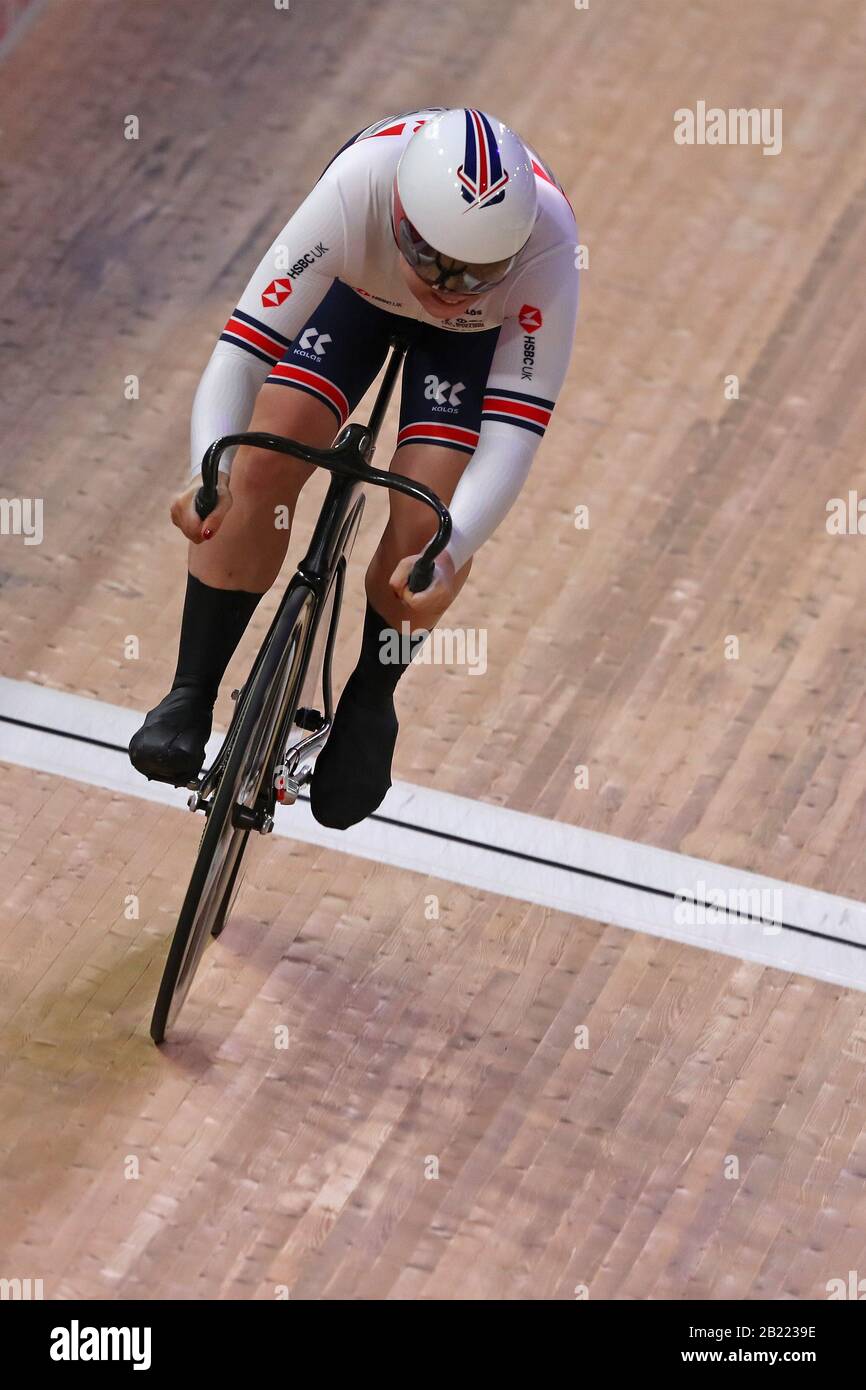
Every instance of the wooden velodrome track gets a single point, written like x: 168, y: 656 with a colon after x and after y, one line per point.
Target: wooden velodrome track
x: 221, y: 1166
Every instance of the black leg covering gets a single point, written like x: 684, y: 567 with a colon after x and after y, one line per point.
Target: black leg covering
x: 170, y: 745
x: 214, y: 621
x: 353, y: 771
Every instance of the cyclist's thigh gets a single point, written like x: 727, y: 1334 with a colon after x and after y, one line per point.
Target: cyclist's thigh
x: 322, y: 375
x: 295, y: 416
x: 440, y: 418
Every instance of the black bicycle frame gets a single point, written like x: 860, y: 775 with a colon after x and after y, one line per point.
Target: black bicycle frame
x: 349, y: 465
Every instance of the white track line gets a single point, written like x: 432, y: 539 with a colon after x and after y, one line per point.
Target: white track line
x: 431, y: 831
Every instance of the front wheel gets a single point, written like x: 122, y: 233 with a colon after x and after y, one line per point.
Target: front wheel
x: 249, y: 763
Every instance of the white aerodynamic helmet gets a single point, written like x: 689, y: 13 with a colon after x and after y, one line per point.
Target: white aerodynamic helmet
x: 465, y: 191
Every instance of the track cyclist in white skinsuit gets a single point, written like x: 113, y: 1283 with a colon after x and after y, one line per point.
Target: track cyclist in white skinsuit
x: 442, y: 222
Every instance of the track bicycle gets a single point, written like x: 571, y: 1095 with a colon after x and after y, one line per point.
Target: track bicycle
x: 284, y: 712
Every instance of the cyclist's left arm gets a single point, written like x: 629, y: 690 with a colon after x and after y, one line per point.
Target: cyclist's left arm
x: 526, y: 375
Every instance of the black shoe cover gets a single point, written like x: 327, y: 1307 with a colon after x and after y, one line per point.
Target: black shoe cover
x: 353, y: 771
x: 169, y: 746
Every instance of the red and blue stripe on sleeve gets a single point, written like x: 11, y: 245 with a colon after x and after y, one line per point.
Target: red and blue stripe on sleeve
x: 517, y: 408
x: 255, y: 337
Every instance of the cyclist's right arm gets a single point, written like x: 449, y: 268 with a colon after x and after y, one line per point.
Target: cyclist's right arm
x: 306, y: 256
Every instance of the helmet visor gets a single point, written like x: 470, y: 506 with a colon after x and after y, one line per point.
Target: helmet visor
x: 442, y: 272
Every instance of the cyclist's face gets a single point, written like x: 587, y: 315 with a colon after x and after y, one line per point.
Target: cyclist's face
x: 439, y: 304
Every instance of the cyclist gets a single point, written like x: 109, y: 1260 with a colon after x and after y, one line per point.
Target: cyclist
x: 442, y: 217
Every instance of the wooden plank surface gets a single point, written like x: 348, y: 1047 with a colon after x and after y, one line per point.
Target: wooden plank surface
x: 452, y: 1040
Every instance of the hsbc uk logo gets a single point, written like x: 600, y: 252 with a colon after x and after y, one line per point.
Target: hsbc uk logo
x: 312, y: 343
x: 276, y: 294
x: 446, y: 397
x: 530, y: 321
x: 278, y: 291
x: 309, y: 258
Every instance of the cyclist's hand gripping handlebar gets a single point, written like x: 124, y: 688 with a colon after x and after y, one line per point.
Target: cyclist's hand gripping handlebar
x: 347, y: 458
x: 206, y: 499
x: 421, y: 574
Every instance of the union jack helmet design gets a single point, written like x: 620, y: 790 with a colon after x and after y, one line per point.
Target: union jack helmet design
x: 467, y: 185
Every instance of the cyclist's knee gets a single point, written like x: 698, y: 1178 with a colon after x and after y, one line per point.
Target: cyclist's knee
x: 404, y: 536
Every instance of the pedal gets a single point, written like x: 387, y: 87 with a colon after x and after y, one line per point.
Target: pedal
x: 309, y: 719
x: 286, y: 787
